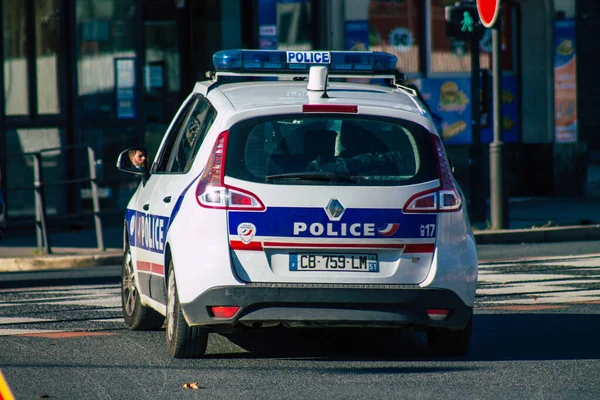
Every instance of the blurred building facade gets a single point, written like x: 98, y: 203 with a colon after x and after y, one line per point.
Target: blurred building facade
x: 111, y: 74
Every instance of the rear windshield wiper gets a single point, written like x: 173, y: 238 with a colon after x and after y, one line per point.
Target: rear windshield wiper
x: 315, y: 176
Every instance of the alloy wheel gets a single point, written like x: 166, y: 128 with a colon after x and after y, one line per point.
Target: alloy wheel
x: 128, y: 284
x: 171, y: 307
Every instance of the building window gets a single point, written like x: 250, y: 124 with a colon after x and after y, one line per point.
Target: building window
x: 47, y: 39
x: 285, y: 24
x: 16, y: 93
x: 294, y: 21
x: 105, y: 34
x: 395, y: 26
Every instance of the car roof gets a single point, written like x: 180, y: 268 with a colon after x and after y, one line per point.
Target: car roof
x: 247, y: 96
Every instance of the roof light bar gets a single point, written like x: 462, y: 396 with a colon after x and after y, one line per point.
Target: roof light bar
x: 293, y: 62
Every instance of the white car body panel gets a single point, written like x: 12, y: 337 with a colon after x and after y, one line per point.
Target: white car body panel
x: 200, y: 241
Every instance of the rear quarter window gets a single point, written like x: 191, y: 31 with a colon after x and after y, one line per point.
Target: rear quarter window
x: 318, y: 150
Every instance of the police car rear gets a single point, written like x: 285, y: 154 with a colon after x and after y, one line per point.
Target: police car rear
x: 340, y: 205
x: 308, y: 202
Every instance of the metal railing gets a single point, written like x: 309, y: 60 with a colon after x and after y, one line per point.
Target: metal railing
x: 40, y: 205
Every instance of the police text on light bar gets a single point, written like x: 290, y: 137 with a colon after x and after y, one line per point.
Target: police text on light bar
x: 308, y: 57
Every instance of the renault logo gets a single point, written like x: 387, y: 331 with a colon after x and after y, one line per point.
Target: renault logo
x: 335, y: 210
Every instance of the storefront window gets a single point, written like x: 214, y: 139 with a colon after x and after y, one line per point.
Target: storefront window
x: 106, y: 58
x: 47, y: 28
x: 294, y: 22
x: 449, y: 55
x: 395, y: 27
x: 16, y: 94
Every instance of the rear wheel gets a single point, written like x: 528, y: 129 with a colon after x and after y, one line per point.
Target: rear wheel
x: 136, y: 315
x: 183, y: 341
x: 450, y: 343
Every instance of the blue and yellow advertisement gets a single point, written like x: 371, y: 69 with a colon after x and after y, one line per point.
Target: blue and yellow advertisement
x: 449, y: 100
x: 565, y: 82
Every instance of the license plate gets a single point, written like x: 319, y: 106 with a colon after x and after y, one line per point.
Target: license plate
x: 334, y: 262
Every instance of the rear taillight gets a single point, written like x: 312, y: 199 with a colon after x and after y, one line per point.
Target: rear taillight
x: 212, y: 191
x: 443, y: 199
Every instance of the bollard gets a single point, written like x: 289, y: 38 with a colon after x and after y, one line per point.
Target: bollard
x: 41, y: 225
x: 95, y: 199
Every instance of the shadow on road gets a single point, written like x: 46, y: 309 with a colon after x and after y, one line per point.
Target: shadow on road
x: 496, y: 337
x: 535, y: 336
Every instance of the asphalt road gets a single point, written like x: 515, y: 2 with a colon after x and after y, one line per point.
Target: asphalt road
x: 535, y: 337
x: 551, y: 354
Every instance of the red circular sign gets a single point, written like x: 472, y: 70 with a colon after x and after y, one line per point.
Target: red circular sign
x: 488, y: 11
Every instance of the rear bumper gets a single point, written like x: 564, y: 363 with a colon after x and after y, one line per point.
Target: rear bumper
x: 307, y: 305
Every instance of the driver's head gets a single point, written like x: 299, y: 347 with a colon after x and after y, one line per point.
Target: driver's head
x: 138, y: 158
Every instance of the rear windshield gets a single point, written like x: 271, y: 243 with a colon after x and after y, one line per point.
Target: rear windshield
x: 339, y: 150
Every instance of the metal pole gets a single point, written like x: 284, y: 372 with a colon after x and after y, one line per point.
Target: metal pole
x: 476, y: 161
x: 40, y: 206
x: 95, y: 199
x: 497, y: 200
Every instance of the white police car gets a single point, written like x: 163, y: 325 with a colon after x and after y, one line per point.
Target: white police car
x: 298, y: 201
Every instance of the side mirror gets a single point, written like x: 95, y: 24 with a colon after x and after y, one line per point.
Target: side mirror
x: 133, y: 160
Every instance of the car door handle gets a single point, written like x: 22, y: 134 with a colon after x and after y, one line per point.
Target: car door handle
x: 167, y: 199
x: 146, y: 207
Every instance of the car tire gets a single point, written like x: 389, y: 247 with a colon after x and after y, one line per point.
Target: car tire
x: 136, y: 315
x: 450, y: 343
x: 183, y: 341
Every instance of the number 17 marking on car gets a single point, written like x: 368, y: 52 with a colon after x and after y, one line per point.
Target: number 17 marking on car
x: 427, y: 230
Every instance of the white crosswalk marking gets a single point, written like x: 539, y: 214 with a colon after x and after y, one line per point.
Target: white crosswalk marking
x: 534, y: 282
x: 60, y: 309
x: 528, y: 283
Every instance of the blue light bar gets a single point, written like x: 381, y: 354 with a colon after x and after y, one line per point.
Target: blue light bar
x: 290, y: 62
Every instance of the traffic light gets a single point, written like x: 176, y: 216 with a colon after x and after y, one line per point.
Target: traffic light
x: 462, y: 22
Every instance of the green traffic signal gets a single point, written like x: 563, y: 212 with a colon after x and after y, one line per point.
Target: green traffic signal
x: 467, y: 22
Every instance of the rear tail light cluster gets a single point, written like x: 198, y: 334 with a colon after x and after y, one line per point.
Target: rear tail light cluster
x: 212, y: 191
x: 443, y: 199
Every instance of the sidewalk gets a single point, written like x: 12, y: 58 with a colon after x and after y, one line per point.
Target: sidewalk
x: 532, y: 220
x: 544, y: 219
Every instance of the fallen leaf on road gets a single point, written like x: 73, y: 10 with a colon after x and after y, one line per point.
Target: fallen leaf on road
x: 193, y: 385
x: 533, y: 297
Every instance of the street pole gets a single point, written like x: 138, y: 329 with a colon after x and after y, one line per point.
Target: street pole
x: 476, y: 169
x: 498, y: 210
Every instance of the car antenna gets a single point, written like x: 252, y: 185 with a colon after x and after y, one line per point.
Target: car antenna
x: 325, y: 95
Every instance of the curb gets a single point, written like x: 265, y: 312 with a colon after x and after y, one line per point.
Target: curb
x: 538, y: 235
x: 22, y: 264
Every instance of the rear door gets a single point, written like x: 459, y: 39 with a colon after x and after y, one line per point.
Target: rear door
x: 172, y: 171
x: 348, y: 199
